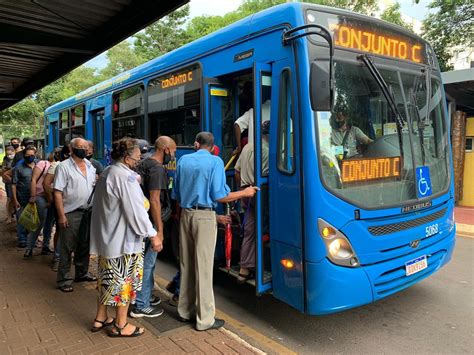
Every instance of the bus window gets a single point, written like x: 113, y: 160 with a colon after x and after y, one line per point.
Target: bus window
x: 174, y: 107
x: 265, y: 117
x: 54, y: 134
x: 128, y: 110
x: 64, y: 133
x: 286, y: 155
x: 78, y: 127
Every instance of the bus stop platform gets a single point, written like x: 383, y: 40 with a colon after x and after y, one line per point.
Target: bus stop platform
x: 36, y: 318
x: 464, y: 217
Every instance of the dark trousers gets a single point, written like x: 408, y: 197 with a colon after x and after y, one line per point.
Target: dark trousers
x: 247, y: 250
x: 74, y: 238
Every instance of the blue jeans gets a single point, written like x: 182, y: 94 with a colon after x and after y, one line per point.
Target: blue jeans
x: 149, y: 261
x: 21, y: 232
x: 42, y: 212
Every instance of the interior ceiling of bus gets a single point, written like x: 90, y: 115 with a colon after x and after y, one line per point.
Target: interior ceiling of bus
x: 41, y: 40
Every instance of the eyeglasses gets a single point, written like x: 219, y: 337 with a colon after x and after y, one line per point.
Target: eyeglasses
x: 129, y: 157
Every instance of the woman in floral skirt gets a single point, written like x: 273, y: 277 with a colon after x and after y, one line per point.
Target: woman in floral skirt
x: 119, y: 226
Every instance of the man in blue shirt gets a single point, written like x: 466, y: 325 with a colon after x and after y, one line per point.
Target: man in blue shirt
x: 200, y: 183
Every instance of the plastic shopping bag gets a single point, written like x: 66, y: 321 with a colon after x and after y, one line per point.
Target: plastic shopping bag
x: 29, y: 217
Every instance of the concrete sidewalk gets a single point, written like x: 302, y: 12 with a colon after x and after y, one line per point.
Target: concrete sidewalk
x: 36, y: 318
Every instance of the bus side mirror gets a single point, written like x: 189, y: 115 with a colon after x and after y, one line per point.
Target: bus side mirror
x: 321, y: 88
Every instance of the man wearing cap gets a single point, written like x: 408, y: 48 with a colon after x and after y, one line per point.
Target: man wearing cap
x: 200, y: 183
x: 245, y: 176
x: 19, y: 154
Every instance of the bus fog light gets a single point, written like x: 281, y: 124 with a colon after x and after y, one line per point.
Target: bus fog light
x: 354, y: 262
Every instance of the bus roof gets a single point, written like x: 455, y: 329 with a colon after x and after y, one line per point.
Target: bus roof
x: 290, y: 13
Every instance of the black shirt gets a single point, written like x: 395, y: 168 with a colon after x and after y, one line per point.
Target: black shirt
x: 154, y: 177
x: 18, y: 157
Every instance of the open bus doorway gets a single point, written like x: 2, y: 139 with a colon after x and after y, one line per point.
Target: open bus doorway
x: 241, y: 102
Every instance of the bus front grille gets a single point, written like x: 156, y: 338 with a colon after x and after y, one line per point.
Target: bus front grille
x: 395, y: 279
x: 398, y: 227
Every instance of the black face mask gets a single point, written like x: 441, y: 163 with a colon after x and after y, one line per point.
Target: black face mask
x: 89, y: 157
x: 15, y: 146
x: 29, y: 159
x: 167, y: 158
x: 80, y: 153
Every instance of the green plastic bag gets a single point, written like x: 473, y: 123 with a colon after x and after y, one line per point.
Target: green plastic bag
x: 29, y: 217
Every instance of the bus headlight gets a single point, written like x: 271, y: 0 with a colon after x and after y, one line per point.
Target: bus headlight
x: 339, y: 249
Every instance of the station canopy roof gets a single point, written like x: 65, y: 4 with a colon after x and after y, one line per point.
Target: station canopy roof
x: 41, y: 40
x: 459, y: 86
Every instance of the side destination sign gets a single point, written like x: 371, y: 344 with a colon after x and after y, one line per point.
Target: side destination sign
x: 358, y: 170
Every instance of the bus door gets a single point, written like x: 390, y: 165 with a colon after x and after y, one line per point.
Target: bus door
x: 262, y: 104
x: 98, y: 123
x: 285, y: 188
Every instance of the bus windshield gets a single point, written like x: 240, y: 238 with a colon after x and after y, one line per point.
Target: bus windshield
x: 366, y: 156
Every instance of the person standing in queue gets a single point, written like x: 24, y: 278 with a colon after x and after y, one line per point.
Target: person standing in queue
x: 155, y: 188
x: 99, y: 168
x: 200, y: 183
x: 74, y: 182
x: 121, y: 225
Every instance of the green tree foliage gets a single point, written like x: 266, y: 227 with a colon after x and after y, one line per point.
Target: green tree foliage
x: 120, y: 58
x: 162, y: 36
x: 451, y: 25
x: 22, y: 119
x: 392, y: 14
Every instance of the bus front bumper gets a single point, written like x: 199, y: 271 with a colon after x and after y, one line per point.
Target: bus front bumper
x: 331, y: 288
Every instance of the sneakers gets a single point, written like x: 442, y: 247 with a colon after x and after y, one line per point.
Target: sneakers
x: 155, y: 300
x: 148, y: 312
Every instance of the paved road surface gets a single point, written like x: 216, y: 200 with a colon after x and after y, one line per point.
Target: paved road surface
x: 436, y: 315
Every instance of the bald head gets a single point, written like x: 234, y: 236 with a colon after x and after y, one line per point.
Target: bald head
x: 164, y: 142
x: 79, y: 143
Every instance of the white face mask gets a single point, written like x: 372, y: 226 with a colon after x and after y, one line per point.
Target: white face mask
x: 11, y: 156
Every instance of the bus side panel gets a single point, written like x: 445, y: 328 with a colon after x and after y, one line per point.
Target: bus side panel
x: 288, y: 283
x: 52, y: 127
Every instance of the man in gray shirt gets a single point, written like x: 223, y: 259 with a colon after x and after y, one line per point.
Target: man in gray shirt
x: 74, y: 182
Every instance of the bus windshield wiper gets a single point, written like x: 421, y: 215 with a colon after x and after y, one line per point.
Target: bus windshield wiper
x: 388, y: 96
x: 420, y: 124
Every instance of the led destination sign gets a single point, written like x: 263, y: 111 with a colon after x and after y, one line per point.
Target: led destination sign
x: 377, y: 43
x: 357, y: 170
x: 177, y: 80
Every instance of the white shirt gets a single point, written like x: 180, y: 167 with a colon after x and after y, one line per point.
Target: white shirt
x: 120, y: 220
x: 246, y: 120
x: 76, y: 187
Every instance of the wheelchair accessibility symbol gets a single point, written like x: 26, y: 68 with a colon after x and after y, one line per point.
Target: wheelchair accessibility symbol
x: 423, y: 181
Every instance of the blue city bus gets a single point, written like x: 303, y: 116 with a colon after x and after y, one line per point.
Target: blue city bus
x: 348, y: 213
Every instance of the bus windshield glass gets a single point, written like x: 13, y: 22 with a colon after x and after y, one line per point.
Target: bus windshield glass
x: 367, y: 156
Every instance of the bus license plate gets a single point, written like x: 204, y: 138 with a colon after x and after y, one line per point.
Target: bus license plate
x: 416, y: 265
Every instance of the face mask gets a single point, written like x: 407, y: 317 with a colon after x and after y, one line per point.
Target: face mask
x: 80, y: 153
x: 89, y: 157
x: 167, y: 158
x: 11, y: 156
x: 15, y: 146
x: 30, y: 159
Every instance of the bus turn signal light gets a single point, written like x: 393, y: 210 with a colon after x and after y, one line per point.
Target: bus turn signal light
x: 328, y: 232
x: 287, y: 264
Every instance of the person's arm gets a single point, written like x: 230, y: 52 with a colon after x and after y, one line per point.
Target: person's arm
x: 237, y: 195
x: 14, y: 199
x: 34, y: 178
x: 60, y: 183
x: 238, y: 138
x: 48, y: 188
x: 59, y: 203
x: 361, y: 137
x: 155, y: 211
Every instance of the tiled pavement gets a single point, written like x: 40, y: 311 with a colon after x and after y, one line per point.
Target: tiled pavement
x: 464, y: 217
x: 36, y: 318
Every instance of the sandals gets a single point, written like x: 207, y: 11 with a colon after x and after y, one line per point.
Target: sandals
x: 86, y: 278
x: 118, y: 333
x: 66, y: 288
x: 104, y: 323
